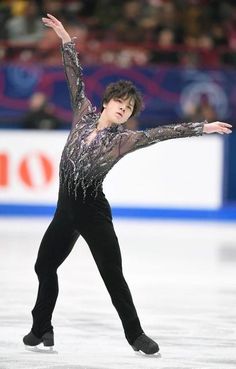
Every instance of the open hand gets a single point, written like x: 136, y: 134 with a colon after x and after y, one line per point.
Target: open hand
x: 217, y: 127
x: 57, y: 26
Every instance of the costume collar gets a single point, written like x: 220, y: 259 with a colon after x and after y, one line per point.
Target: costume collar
x: 113, y: 127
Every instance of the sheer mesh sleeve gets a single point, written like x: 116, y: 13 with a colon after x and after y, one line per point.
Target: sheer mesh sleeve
x: 73, y: 70
x: 131, y: 140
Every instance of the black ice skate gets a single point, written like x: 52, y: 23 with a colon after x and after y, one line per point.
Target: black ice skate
x: 146, y: 345
x: 32, y: 343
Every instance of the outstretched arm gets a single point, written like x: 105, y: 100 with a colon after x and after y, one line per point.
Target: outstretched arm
x: 72, y: 66
x: 131, y: 140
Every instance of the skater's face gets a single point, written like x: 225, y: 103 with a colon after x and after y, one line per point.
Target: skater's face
x: 118, y: 110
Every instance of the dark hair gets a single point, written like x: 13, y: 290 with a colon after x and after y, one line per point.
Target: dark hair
x: 123, y: 89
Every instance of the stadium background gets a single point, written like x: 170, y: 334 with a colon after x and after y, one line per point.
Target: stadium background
x: 181, y: 55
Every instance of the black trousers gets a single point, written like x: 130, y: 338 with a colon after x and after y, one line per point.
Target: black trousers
x: 91, y: 218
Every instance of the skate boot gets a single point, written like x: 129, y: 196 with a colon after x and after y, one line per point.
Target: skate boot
x: 31, y: 342
x: 145, y: 344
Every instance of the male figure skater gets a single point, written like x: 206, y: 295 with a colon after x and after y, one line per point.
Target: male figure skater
x: 95, y: 143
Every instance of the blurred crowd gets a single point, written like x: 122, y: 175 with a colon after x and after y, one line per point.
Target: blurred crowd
x: 191, y: 33
x: 124, y: 32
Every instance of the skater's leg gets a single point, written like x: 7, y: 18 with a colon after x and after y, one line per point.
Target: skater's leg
x: 56, y: 245
x: 104, y: 246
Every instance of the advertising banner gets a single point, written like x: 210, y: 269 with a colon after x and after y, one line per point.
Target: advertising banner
x: 170, y: 94
x: 182, y: 173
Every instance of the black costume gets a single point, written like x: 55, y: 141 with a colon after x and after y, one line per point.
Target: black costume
x: 82, y: 208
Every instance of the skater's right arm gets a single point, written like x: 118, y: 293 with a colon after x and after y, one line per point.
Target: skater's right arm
x: 80, y: 104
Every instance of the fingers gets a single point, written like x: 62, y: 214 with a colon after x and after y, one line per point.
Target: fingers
x: 54, y: 19
x: 225, y: 127
x: 51, y: 21
x: 46, y: 21
x: 225, y: 130
x: 222, y: 127
x: 223, y: 124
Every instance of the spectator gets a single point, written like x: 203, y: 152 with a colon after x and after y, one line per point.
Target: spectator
x: 201, y: 110
x: 127, y: 28
x: 218, y: 34
x: 165, y: 52
x: 163, y: 26
x: 4, y: 16
x: 40, y: 114
x: 26, y: 27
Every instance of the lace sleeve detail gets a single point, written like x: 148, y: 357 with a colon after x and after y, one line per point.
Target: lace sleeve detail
x: 132, y: 140
x: 73, y: 71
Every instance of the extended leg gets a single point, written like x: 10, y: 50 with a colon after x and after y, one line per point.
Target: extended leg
x: 104, y: 246
x: 103, y: 243
x: 56, y: 245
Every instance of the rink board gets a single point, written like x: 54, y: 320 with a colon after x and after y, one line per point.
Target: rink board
x: 172, y: 176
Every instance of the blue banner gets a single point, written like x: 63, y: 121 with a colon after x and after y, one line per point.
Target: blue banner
x: 170, y: 94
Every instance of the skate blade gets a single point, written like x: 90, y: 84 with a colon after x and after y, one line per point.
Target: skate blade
x: 140, y: 353
x: 41, y: 350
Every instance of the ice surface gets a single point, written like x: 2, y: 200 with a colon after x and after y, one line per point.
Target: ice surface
x: 183, y: 280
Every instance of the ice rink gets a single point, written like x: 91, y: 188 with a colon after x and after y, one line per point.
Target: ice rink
x: 183, y: 280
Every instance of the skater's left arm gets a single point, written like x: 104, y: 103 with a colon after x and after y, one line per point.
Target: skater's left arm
x: 133, y: 140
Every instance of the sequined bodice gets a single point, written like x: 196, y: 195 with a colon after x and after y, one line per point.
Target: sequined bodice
x: 85, y: 164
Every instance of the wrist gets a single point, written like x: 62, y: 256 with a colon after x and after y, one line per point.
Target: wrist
x: 204, y: 129
x: 64, y: 41
x: 66, y: 38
